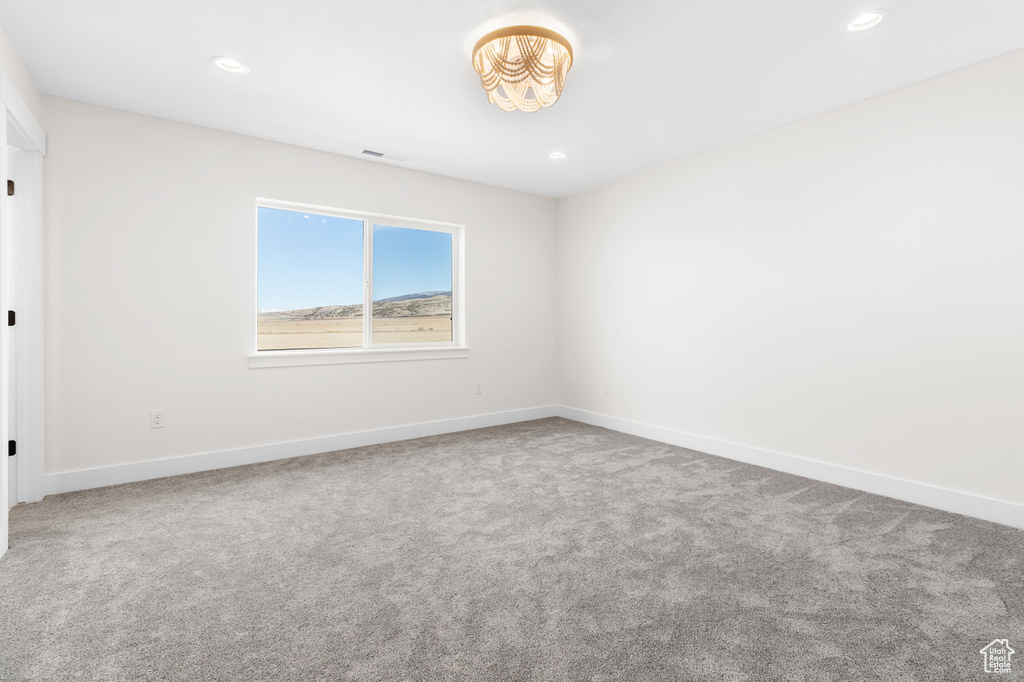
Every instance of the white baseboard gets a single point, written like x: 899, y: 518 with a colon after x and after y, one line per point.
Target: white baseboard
x: 190, y: 464
x: 988, y: 509
x: 997, y: 511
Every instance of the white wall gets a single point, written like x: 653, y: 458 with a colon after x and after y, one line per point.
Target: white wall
x: 151, y: 286
x: 848, y: 289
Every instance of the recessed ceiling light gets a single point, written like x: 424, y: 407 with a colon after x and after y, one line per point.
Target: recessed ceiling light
x: 557, y: 155
x: 229, y: 64
x: 868, y: 20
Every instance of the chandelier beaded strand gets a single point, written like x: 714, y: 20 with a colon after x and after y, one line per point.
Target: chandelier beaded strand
x: 522, y: 67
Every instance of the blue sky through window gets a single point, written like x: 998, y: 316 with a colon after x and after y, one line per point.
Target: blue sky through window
x: 407, y: 261
x: 306, y: 260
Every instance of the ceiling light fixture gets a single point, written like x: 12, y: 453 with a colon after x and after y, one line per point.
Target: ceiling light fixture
x: 557, y: 155
x: 522, y: 67
x: 868, y: 20
x: 229, y: 64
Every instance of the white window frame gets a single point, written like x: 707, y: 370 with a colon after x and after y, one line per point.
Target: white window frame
x: 370, y: 352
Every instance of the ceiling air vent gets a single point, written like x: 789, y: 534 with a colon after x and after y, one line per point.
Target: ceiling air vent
x: 384, y: 155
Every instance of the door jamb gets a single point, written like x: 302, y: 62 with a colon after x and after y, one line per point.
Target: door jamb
x: 24, y: 139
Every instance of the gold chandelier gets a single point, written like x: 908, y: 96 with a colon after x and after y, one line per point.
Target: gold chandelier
x: 522, y: 67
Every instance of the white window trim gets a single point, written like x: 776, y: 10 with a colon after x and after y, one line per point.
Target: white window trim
x: 371, y: 352
x: 343, y: 356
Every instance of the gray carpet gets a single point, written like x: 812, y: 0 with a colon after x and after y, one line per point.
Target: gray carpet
x: 546, y: 550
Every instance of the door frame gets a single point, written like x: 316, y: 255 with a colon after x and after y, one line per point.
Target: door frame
x: 22, y: 148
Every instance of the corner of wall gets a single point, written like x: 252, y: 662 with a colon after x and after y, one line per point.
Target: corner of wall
x: 12, y: 67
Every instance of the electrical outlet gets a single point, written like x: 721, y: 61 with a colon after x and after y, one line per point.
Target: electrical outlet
x: 479, y: 387
x: 156, y: 419
x: 607, y: 388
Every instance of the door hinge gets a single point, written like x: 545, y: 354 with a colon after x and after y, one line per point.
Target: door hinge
x: 10, y: 318
x: 12, y: 448
x: 10, y: 188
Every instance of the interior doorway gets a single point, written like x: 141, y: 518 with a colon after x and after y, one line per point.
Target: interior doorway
x: 5, y: 378
x: 22, y: 146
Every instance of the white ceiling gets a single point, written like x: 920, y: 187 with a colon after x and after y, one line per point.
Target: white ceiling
x: 653, y: 80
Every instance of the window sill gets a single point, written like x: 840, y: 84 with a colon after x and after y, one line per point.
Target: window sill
x: 296, y: 358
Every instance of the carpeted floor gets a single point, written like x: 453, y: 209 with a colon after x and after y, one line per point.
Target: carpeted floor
x: 546, y: 550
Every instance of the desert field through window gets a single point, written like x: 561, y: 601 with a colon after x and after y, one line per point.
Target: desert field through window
x: 421, y: 318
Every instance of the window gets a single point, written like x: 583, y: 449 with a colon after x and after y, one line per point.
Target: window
x: 330, y: 281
